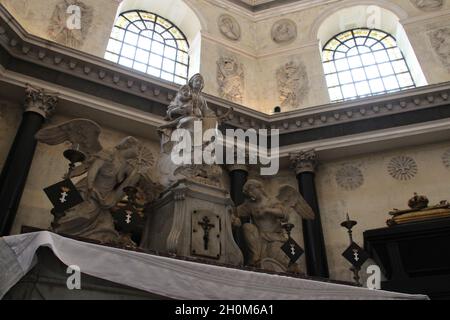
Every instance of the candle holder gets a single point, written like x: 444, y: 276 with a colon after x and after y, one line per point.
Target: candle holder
x: 349, y: 224
x: 74, y: 156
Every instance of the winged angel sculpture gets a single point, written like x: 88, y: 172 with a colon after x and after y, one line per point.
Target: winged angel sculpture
x: 264, y: 235
x: 103, y: 176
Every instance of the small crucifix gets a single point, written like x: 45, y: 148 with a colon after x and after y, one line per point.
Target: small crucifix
x: 206, y: 225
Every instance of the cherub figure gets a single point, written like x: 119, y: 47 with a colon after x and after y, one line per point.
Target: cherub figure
x: 265, y: 235
x: 105, y: 174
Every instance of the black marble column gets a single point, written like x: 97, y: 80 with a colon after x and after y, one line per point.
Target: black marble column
x: 316, y: 258
x: 238, y: 178
x: 39, y: 106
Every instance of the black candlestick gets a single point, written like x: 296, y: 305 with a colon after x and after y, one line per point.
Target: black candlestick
x: 349, y: 224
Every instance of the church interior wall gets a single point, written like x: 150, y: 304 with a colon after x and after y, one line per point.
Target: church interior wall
x: 255, y: 49
x: 363, y: 187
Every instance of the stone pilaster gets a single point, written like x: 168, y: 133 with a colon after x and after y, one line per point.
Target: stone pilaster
x: 39, y: 107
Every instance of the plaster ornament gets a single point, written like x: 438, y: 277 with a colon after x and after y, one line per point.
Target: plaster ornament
x: 440, y: 42
x: 265, y: 236
x: 403, y: 168
x: 446, y: 159
x: 70, y: 23
x: 349, y: 178
x: 229, y: 27
x: 104, y: 176
x: 230, y: 78
x: 293, y: 84
x: 284, y: 31
x: 428, y: 5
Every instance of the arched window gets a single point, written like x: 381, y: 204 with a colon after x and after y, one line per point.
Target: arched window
x: 364, y: 62
x: 149, y: 43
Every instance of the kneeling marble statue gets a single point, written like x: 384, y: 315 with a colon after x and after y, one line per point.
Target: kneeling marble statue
x: 264, y: 235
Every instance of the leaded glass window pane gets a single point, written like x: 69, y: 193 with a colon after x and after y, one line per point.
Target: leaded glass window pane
x: 151, y: 44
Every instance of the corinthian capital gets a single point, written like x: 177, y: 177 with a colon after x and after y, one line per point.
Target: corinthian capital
x: 304, y: 161
x: 41, y: 102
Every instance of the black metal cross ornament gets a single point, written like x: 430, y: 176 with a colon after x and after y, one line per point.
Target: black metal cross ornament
x: 206, y: 226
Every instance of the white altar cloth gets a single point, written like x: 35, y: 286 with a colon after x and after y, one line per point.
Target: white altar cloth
x: 173, y: 278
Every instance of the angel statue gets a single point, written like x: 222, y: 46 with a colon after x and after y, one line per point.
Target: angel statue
x: 104, y: 176
x: 264, y: 235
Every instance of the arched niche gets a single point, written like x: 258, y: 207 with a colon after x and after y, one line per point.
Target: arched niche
x: 180, y: 13
x: 379, y: 14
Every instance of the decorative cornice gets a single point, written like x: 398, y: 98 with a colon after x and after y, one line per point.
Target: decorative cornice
x: 41, y: 102
x: 22, y: 46
x: 304, y: 161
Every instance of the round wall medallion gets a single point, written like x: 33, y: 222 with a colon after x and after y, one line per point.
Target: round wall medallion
x: 349, y: 178
x: 229, y: 27
x: 284, y: 31
x: 403, y: 168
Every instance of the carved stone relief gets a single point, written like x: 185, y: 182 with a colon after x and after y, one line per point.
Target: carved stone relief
x: 230, y: 78
x: 284, y: 31
x: 229, y: 27
x: 349, y: 177
x: 403, y: 168
x: 293, y: 84
x: 446, y: 159
x: 428, y: 5
x: 70, y: 23
x: 440, y: 42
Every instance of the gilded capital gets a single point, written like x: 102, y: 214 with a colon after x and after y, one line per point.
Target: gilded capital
x: 304, y: 161
x: 41, y: 102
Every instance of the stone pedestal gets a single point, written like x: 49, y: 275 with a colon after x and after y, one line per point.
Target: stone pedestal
x: 193, y: 220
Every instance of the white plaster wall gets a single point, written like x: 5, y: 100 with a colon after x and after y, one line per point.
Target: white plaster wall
x: 380, y: 193
x: 35, y: 17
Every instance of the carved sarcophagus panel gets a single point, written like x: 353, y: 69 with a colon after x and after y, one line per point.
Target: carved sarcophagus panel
x: 206, y: 234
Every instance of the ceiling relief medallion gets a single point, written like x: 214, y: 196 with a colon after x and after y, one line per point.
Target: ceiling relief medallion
x: 446, y: 159
x: 70, y: 23
x: 229, y: 27
x: 230, y: 78
x: 428, y: 5
x: 284, y: 31
x: 440, y: 42
x: 293, y: 84
x: 349, y: 177
x: 403, y: 168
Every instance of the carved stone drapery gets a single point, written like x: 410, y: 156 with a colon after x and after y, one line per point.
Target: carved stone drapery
x: 41, y: 102
x: 304, y: 161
